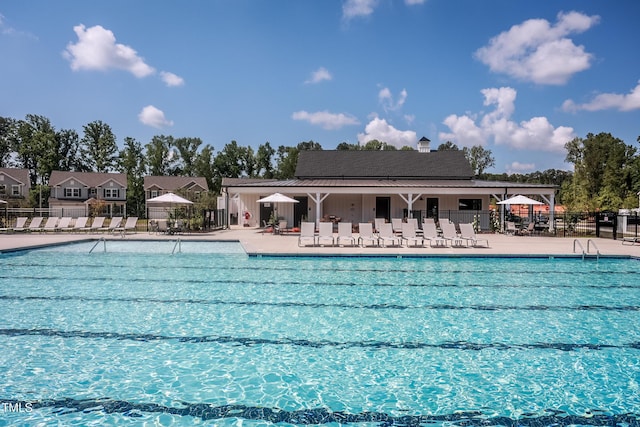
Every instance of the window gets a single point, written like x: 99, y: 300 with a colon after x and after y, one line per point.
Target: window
x: 111, y: 193
x: 154, y: 193
x: 93, y: 192
x: 72, y: 192
x: 15, y: 190
x: 3, y: 188
x: 470, y: 204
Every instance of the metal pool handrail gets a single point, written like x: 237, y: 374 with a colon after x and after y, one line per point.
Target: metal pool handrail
x: 579, y: 244
x: 104, y: 244
x: 590, y: 241
x: 178, y: 245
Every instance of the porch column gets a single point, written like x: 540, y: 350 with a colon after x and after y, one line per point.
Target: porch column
x: 551, y: 200
x: 410, y: 200
x: 318, y: 199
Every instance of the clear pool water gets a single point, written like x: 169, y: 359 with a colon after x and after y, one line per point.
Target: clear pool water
x: 209, y: 336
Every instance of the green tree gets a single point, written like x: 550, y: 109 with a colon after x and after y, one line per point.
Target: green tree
x: 229, y: 163
x: 603, y: 172
x: 131, y: 162
x: 99, y: 146
x: 376, y: 145
x: 264, y: 161
x: 345, y: 146
x: 448, y: 146
x: 479, y: 158
x: 159, y: 157
x: 187, y: 150
x: 34, y: 141
x: 7, y: 129
x: 204, y: 167
x: 69, y: 152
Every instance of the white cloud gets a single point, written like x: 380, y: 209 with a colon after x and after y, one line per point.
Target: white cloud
x: 386, y: 99
x: 171, y: 79
x: 534, y: 134
x: 97, y: 49
x: 319, y: 75
x: 382, y: 131
x: 608, y: 101
x: 151, y: 116
x: 517, y: 167
x: 7, y: 30
x: 327, y: 120
x: 355, y: 8
x: 538, y: 51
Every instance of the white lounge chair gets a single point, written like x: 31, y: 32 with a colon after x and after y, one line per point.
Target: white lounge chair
x: 21, y: 223
x: 469, y: 234
x: 325, y: 233
x: 113, y: 224
x: 345, y: 233
x: 414, y: 222
x: 365, y: 231
x: 129, y: 225
x: 51, y: 224
x: 377, y: 222
x: 307, y: 232
x: 396, y: 224
x: 511, y: 228
x: 80, y: 224
x: 64, y: 224
x: 450, y: 233
x: 96, y: 224
x: 409, y: 235
x: 430, y: 233
x: 35, y: 224
x: 386, y: 236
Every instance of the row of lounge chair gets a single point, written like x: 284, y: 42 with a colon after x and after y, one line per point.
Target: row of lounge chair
x: 68, y: 224
x: 386, y: 236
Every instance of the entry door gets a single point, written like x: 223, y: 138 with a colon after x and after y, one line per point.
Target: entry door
x: 383, y: 208
x: 432, y: 207
x: 300, y: 210
x: 265, y: 212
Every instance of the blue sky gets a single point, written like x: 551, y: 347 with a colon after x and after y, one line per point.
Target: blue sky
x: 520, y: 78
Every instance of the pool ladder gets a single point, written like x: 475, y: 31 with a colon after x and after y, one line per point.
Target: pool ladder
x: 178, y: 245
x: 585, y: 253
x: 104, y: 245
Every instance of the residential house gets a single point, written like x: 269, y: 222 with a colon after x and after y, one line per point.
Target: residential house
x: 191, y: 188
x: 359, y: 186
x: 14, y: 185
x: 87, y: 194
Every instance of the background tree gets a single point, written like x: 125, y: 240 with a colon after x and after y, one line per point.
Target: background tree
x: 603, y: 171
x: 204, y: 167
x: 33, y: 140
x: 7, y: 129
x: 345, y: 146
x: 159, y: 157
x: 374, y: 144
x: 131, y: 161
x: 264, y: 161
x: 187, y: 150
x: 287, y: 158
x: 229, y: 163
x: 99, y: 146
x: 479, y: 158
x: 448, y: 146
x: 70, y: 152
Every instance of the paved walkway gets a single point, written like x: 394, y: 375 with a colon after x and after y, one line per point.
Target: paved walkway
x: 256, y: 243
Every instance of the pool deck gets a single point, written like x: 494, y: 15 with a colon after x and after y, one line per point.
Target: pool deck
x: 257, y: 243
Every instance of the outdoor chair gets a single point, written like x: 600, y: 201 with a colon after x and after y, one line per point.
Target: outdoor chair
x: 469, y: 234
x: 365, y: 230
x: 387, y: 237
x: 325, y: 233
x: 345, y: 233
x: 307, y: 232
x: 409, y: 235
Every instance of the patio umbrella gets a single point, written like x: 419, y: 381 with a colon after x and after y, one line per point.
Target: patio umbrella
x: 171, y: 199
x: 277, y: 198
x: 520, y: 200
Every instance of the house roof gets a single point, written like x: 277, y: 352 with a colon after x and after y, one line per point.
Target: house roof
x: 173, y: 183
x: 378, y: 183
x: 90, y: 179
x: 18, y: 174
x: 380, y: 165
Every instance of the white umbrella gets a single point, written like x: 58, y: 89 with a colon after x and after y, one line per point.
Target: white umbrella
x: 170, y: 198
x: 520, y: 200
x: 277, y: 198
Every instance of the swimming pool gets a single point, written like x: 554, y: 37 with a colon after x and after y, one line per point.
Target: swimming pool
x: 210, y: 335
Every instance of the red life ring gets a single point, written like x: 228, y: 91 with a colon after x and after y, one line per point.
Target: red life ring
x: 247, y: 215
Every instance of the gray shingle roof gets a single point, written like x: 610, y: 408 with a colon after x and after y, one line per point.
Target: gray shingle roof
x: 367, y: 164
x: 90, y: 179
x: 173, y: 183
